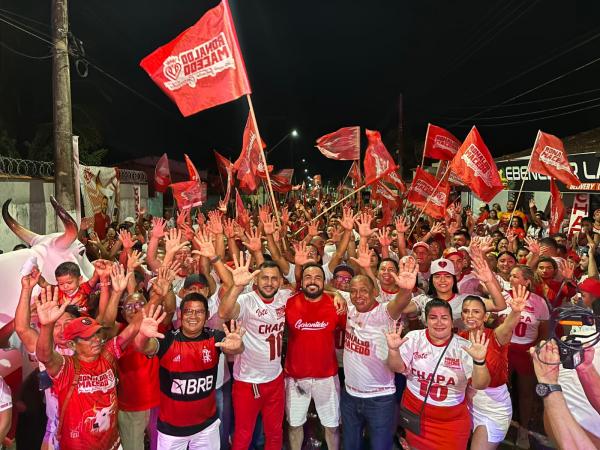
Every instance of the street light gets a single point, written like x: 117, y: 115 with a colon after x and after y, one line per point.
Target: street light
x: 293, y: 133
x: 305, y: 170
x: 303, y: 160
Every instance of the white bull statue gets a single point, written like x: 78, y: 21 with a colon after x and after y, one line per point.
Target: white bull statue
x: 50, y: 251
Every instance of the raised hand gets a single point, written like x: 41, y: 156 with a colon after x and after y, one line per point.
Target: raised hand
x: 240, y: 274
x: 162, y: 282
x: 125, y: 238
x: 215, y: 224
x: 204, y: 244
x: 48, y: 310
x: 407, y: 273
x: 229, y: 228
x: 479, y: 345
x: 394, y: 336
x: 532, y: 245
x: 383, y: 237
x: 151, y: 321
x: 222, y: 206
x: 31, y: 280
x: 402, y: 224
x: 364, y: 255
x: 158, y: 227
x: 481, y: 268
x: 437, y: 228
x: 86, y: 223
x: 173, y: 241
x: 103, y: 268
x: 546, y: 361
x: 313, y: 228
x: 347, y: 220
x: 118, y: 277
x: 336, y: 236
x: 263, y: 212
x: 269, y: 226
x: 233, y: 337
x: 301, y: 253
x: 200, y: 219
x: 183, y: 217
x: 566, y: 268
x: 364, y: 225
x: 520, y: 295
x: 253, y: 240
x: 285, y: 215
x: 134, y: 260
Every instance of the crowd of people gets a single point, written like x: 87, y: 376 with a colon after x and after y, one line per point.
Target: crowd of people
x: 205, y: 331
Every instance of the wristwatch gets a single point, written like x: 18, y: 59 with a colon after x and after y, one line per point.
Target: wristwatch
x: 543, y: 389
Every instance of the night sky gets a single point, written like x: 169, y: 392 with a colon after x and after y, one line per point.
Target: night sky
x: 317, y: 66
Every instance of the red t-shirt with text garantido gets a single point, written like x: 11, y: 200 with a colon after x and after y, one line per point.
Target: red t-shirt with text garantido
x: 311, y: 337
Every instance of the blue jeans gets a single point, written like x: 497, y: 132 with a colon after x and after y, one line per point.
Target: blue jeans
x: 379, y: 415
x: 224, y: 412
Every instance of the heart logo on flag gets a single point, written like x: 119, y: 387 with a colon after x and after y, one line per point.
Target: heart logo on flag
x: 172, y: 68
x: 442, y: 264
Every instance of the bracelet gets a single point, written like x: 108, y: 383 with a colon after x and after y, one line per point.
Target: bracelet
x: 215, y: 260
x: 479, y: 363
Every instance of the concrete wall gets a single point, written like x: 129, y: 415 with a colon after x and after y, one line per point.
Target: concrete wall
x: 31, y: 207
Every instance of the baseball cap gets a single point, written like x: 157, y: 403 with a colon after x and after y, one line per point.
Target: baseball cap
x: 195, y: 278
x: 420, y: 244
x: 82, y: 327
x: 442, y: 265
x: 344, y: 267
x: 129, y: 219
x: 591, y: 286
x: 451, y: 251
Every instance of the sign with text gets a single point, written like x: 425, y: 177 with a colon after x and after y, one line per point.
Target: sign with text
x: 581, y: 209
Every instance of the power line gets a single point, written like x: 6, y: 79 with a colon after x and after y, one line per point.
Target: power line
x: 25, y: 55
x: 12, y: 13
x: 25, y: 31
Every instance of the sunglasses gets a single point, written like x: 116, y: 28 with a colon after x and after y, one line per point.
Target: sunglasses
x: 133, y: 307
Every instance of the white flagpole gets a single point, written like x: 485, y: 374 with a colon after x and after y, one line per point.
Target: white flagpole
x: 523, y: 179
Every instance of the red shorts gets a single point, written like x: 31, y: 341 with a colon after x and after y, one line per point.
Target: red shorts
x: 441, y: 427
x: 520, y: 360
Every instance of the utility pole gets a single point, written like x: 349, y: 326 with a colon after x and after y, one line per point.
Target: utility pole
x: 64, y: 174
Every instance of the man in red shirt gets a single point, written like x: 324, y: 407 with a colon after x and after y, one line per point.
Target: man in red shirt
x: 85, y: 383
x: 102, y: 220
x: 311, y: 365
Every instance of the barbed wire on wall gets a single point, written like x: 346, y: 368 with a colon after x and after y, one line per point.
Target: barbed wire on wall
x: 45, y: 169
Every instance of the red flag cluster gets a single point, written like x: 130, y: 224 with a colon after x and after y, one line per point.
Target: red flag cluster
x: 423, y: 193
x: 203, y: 66
x: 343, y: 144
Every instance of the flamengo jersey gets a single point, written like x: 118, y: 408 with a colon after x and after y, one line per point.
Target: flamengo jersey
x: 420, y: 356
x: 260, y: 362
x: 535, y: 311
x: 311, y: 340
x: 365, y: 353
x: 188, y: 373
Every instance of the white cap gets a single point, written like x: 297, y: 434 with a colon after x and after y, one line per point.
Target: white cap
x: 129, y: 219
x: 420, y: 244
x: 442, y: 265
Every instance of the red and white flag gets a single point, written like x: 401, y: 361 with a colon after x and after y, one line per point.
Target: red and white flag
x: 226, y: 172
x: 162, y: 174
x: 557, y: 209
x: 246, y: 165
x: 194, y: 175
x: 190, y: 193
x: 354, y: 174
x: 475, y: 167
x: 378, y: 161
x: 549, y: 158
x: 440, y: 144
x: 282, y: 180
x: 395, y: 179
x: 423, y: 188
x: 343, y: 144
x: 203, y: 66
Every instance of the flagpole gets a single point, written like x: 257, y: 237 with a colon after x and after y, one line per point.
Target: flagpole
x: 264, y: 160
x: 425, y: 146
x: 427, y: 202
x: 523, y: 181
x: 332, y: 206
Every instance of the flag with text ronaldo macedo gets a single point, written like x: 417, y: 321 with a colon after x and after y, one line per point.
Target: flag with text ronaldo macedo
x: 203, y: 66
x: 423, y: 193
x: 440, y: 144
x: 378, y: 162
x: 549, y: 158
x: 474, y: 165
x: 343, y: 144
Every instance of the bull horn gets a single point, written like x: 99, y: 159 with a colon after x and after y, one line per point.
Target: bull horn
x: 22, y: 233
x: 71, y: 229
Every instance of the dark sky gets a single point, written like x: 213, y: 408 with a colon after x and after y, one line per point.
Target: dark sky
x: 317, y: 66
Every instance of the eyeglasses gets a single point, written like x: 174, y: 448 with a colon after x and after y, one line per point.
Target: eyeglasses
x: 343, y: 279
x: 133, y: 307
x: 194, y: 312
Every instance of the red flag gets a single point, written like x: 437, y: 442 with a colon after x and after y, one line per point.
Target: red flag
x: 378, y: 161
x: 557, y: 209
x: 395, y: 179
x: 203, y: 66
x: 343, y: 144
x: 162, y: 174
x: 423, y: 187
x: 379, y: 191
x: 241, y: 214
x: 260, y: 169
x: 440, y: 143
x: 226, y: 171
x: 474, y: 165
x: 549, y: 158
x: 247, y: 164
x: 282, y: 180
x: 194, y: 175
x: 354, y: 174
x: 189, y: 193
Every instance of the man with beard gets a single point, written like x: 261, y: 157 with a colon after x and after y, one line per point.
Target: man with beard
x: 258, y: 378
x: 312, y: 319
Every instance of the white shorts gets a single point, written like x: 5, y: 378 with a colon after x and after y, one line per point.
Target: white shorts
x: 492, y: 409
x: 324, y: 391
x: 207, y: 439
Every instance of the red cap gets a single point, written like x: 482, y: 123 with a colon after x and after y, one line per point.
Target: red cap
x: 591, y: 286
x: 82, y: 327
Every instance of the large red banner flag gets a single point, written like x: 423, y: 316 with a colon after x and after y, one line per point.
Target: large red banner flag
x: 162, y: 174
x: 246, y: 165
x: 549, y: 158
x: 440, y: 144
x: 282, y: 180
x: 474, y: 165
x: 557, y: 209
x: 203, y: 66
x: 378, y: 161
x: 343, y: 144
x: 423, y: 193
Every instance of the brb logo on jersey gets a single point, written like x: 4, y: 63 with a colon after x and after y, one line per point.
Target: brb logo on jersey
x: 192, y: 386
